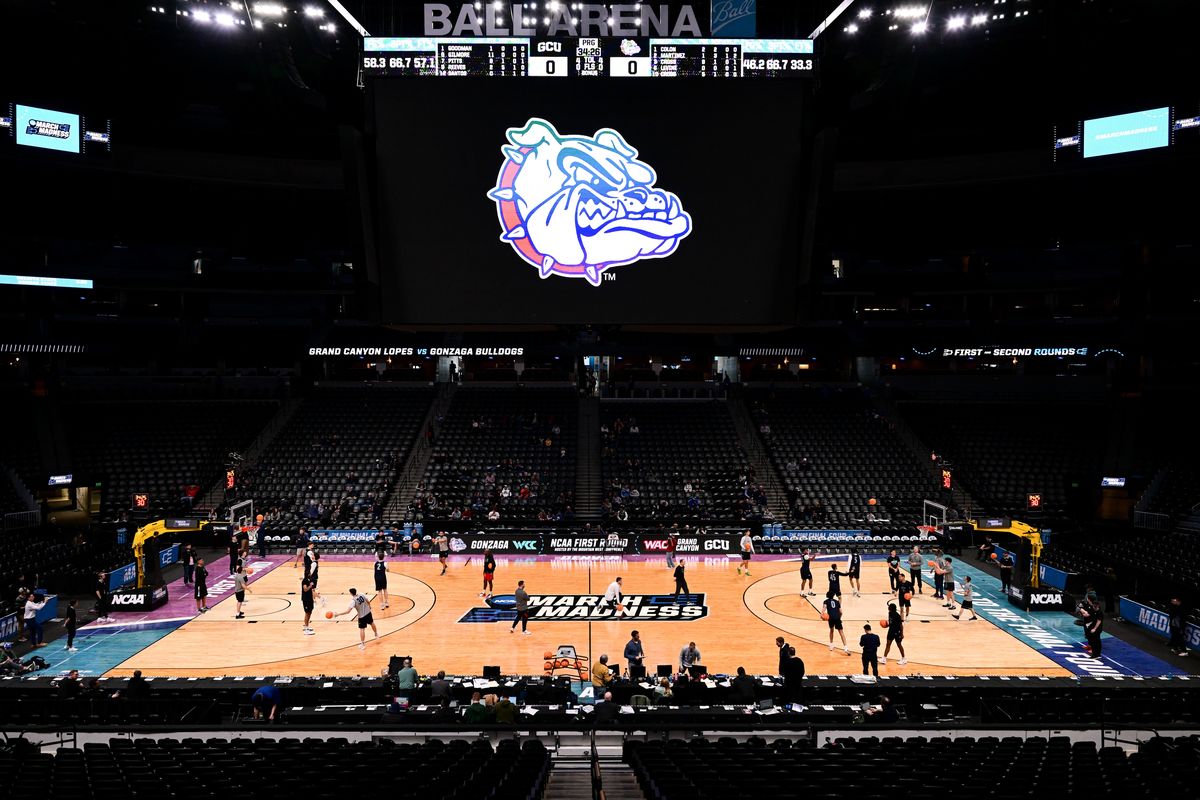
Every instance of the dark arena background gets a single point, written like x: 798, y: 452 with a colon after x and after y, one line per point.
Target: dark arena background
x: 717, y: 399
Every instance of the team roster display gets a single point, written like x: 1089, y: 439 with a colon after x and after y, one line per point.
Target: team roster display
x: 584, y: 57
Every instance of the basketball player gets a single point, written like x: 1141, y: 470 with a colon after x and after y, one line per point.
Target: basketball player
x: 310, y: 555
x: 895, y: 635
x: 301, y: 547
x: 522, y: 608
x: 489, y: 573
x: 612, y: 596
x: 239, y: 589
x: 1093, y: 624
x: 361, y: 606
x: 869, y: 643
x: 948, y: 582
x: 939, y: 576
x: 672, y: 545
x: 968, y: 601
x: 747, y: 551
x: 835, y: 580
x: 381, y: 578
x: 306, y: 600
x: 893, y: 565
x: 201, y: 588
x: 854, y: 572
x: 833, y: 610
x: 312, y: 576
x: 1006, y: 571
x: 235, y: 547
x: 443, y: 545
x: 806, y: 578
x: 916, y: 562
x: 905, y: 593
x: 680, y: 579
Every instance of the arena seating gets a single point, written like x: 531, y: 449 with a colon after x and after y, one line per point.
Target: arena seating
x: 1156, y: 564
x: 1176, y: 493
x: 335, y: 460
x: 497, y: 444
x: 675, y: 444
x: 834, y: 448
x: 1001, y: 452
x: 1009, y: 767
x: 311, y: 767
x: 160, y: 448
x: 59, y: 562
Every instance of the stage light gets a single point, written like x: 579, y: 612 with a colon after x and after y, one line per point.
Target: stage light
x: 979, y: 19
x: 269, y: 9
x: 920, y: 27
x: 225, y: 19
x: 851, y: 28
x: 865, y: 13
x: 497, y: 5
x: 909, y: 12
x: 312, y: 12
x: 955, y: 23
x: 200, y: 15
x: 554, y: 5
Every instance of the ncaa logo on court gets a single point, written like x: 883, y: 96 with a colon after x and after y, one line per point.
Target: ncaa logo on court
x: 576, y: 206
x: 591, y: 608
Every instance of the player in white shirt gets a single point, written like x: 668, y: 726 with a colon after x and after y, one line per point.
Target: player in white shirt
x: 747, y: 547
x: 612, y: 596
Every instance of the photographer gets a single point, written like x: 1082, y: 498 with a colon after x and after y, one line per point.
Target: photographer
x: 32, y: 624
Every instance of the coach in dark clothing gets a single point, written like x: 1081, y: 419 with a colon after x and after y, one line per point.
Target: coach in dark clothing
x: 605, y: 714
x: 742, y: 687
x: 783, y: 653
x: 439, y: 688
x: 793, y: 677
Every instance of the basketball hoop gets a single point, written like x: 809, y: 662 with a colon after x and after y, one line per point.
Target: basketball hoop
x: 927, y: 529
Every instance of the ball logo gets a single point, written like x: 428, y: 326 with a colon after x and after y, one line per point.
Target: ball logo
x: 578, y: 205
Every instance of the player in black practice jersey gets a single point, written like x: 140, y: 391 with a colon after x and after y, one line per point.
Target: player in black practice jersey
x: 854, y: 572
x: 895, y: 635
x: 489, y: 574
x: 381, y: 572
x: 835, y: 580
x: 893, y: 565
x: 806, y: 576
x: 833, y: 615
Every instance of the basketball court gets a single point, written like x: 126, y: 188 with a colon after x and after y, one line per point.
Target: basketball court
x: 443, y: 623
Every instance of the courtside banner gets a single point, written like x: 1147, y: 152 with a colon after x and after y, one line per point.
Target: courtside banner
x: 1158, y: 622
x: 652, y: 543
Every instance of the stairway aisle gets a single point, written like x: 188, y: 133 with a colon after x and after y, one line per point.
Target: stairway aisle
x: 588, y: 491
x: 757, y: 455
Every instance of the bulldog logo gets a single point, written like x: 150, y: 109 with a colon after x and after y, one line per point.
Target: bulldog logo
x: 578, y: 205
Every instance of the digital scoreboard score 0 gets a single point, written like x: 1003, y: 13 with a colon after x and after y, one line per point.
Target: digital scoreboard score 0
x: 597, y: 57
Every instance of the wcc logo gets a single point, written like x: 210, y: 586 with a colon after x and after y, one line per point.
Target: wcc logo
x: 578, y: 205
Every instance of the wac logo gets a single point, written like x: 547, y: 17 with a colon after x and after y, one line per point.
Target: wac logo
x: 576, y: 206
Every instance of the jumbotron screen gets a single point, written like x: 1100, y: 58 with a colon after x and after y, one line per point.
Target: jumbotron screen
x: 591, y: 200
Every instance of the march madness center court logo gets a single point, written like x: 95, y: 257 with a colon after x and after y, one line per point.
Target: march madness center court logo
x: 590, y: 608
x: 578, y: 205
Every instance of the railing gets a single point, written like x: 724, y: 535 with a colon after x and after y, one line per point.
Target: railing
x: 20, y: 520
x: 1152, y: 520
x: 597, y: 778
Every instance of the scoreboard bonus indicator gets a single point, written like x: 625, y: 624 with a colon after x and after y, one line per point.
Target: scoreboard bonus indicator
x: 510, y: 57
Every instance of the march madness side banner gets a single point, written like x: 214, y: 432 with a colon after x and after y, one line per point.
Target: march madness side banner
x: 545, y: 542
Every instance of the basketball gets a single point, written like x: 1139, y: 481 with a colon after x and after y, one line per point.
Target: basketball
x: 259, y: 519
x: 883, y: 623
x: 416, y: 544
x: 747, y: 547
x: 872, y: 501
x: 249, y: 570
x: 620, y: 607
x: 825, y: 616
x: 930, y: 563
x: 908, y: 595
x: 994, y: 556
x: 328, y: 615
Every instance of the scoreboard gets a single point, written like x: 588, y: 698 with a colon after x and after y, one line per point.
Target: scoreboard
x: 599, y: 57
